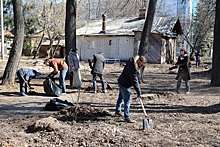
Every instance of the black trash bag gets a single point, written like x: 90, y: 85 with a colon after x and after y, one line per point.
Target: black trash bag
x: 51, y: 88
x: 56, y: 104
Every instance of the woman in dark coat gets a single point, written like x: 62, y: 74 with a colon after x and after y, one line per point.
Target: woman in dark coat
x: 183, y: 71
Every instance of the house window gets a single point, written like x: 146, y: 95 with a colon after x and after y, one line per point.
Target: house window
x: 91, y: 44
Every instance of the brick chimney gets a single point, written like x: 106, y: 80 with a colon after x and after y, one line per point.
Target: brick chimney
x: 143, y: 10
x: 103, y: 24
x: 142, y: 13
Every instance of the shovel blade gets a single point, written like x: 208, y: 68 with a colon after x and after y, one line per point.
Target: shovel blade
x: 147, y: 124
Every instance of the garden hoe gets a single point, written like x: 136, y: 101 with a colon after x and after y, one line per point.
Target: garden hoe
x: 147, y: 123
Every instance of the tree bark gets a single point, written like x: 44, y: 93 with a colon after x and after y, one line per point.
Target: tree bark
x: 146, y: 33
x: 70, y: 26
x: 215, y: 77
x: 15, y: 53
x: 147, y: 28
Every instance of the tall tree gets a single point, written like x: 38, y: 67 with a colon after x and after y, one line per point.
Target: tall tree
x: 202, y: 25
x: 15, y: 53
x: 146, y: 32
x: 147, y: 27
x: 70, y: 26
x: 215, y: 78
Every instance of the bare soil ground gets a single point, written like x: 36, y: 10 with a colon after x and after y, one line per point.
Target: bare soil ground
x: 178, y: 119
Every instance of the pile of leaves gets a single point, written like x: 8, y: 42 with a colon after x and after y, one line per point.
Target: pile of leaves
x: 83, y: 113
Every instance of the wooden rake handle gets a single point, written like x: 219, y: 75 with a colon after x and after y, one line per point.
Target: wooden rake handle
x: 26, y: 83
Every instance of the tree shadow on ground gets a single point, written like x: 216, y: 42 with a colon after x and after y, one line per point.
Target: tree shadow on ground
x: 19, y: 110
x: 30, y: 93
x: 164, y: 108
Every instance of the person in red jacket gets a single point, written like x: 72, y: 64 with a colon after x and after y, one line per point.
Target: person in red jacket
x: 58, y: 65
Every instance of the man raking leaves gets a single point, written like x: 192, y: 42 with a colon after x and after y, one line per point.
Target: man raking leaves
x: 25, y: 75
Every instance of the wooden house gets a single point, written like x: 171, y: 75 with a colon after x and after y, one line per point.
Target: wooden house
x: 59, y: 46
x: 120, y: 38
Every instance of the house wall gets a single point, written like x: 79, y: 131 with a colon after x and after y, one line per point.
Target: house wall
x: 171, y: 49
x: 155, y: 50
x: 120, y: 47
x: 160, y: 50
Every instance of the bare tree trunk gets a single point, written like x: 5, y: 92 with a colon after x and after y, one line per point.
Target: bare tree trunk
x: 146, y: 33
x: 70, y: 26
x: 215, y: 79
x: 54, y: 51
x: 38, y: 47
x: 147, y: 27
x: 50, y: 49
x: 15, y: 53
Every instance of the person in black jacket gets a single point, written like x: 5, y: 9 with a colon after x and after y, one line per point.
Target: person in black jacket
x: 183, y: 63
x: 127, y: 79
x: 98, y: 70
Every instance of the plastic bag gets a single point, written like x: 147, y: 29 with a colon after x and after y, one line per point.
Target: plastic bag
x: 51, y: 88
x: 56, y: 104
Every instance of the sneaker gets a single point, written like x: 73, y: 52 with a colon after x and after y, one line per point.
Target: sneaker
x: 187, y: 92
x: 63, y: 93
x: 93, y: 91
x: 128, y: 120
x: 118, y: 114
x: 104, y: 91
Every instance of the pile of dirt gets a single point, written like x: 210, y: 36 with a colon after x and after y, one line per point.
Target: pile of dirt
x: 45, y: 124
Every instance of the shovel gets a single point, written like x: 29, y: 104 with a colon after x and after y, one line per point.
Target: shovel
x: 30, y: 91
x: 147, y: 123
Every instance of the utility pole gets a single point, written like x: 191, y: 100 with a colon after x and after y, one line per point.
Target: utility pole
x: 2, y: 31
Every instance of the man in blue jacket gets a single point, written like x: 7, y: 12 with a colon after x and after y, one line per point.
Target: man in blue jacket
x: 25, y: 75
x: 127, y: 79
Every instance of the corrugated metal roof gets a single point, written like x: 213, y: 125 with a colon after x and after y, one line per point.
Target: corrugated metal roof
x: 127, y: 26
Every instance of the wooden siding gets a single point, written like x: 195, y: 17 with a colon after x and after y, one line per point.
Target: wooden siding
x: 160, y: 50
x: 112, y: 47
x: 154, y: 54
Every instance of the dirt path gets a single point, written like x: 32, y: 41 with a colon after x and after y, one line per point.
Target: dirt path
x: 179, y: 120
